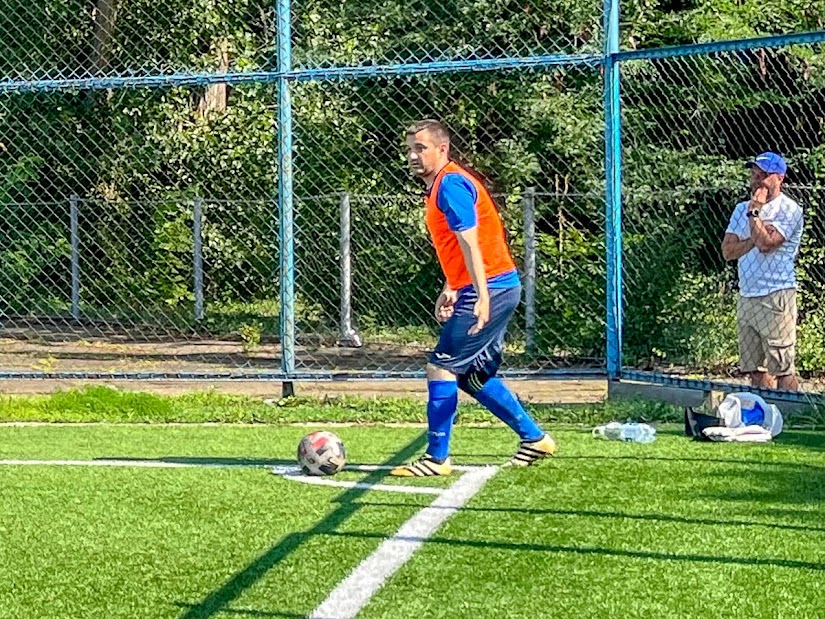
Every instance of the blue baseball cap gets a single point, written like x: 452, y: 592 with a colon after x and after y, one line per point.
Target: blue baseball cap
x: 770, y: 163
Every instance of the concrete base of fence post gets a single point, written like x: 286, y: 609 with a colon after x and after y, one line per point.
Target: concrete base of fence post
x: 350, y: 340
x: 287, y: 389
x: 711, y: 400
x: 678, y: 396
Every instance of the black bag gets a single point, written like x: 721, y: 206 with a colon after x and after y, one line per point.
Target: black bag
x: 695, y: 422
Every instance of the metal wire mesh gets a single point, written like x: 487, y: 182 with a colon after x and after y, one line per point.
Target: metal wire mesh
x: 117, y: 276
x: 52, y: 39
x: 538, y: 135
x: 55, y: 39
x: 649, y: 25
x: 403, y: 31
x: 690, y: 126
x: 98, y: 199
x: 141, y: 228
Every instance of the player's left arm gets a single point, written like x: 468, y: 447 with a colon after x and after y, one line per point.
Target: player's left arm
x: 766, y: 237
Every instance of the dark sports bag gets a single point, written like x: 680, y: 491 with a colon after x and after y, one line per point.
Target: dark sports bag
x: 695, y: 422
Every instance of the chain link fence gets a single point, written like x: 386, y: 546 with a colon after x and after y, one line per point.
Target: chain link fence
x: 690, y: 126
x: 70, y: 39
x: 538, y: 133
x: 415, y: 31
x: 141, y: 147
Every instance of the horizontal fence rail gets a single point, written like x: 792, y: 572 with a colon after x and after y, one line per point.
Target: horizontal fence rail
x: 218, y: 188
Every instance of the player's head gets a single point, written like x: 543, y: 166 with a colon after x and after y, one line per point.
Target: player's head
x: 428, y: 147
x: 768, y: 170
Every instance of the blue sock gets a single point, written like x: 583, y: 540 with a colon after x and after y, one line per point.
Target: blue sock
x: 441, y: 407
x: 500, y: 401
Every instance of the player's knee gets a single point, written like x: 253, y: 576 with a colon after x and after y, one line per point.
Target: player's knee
x: 435, y: 372
x: 473, y: 381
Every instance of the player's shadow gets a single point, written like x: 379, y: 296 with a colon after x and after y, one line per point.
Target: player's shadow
x: 348, y: 504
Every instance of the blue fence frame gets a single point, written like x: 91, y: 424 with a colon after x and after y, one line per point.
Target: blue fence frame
x: 610, y: 62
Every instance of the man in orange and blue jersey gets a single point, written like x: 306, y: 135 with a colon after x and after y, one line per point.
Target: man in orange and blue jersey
x: 480, y: 295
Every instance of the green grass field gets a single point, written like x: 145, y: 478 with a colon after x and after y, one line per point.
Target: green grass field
x: 670, y: 529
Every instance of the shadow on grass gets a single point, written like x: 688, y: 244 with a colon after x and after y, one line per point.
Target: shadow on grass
x: 348, y: 505
x: 774, y: 488
x: 595, y: 550
x: 745, y: 462
x: 206, y: 461
x: 250, y: 612
x: 224, y: 462
x: 651, y: 517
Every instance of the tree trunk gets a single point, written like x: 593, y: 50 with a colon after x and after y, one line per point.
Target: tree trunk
x: 105, y: 16
x: 216, y: 96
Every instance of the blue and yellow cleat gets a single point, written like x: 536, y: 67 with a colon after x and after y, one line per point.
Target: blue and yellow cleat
x: 425, y: 466
x: 529, y: 453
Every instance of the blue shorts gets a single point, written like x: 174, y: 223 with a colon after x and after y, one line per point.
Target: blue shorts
x: 459, y: 352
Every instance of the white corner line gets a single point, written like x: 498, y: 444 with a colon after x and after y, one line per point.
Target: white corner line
x: 356, y: 590
x: 294, y: 474
x: 159, y: 463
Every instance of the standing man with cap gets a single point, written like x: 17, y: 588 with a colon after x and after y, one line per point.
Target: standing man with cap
x: 763, y: 236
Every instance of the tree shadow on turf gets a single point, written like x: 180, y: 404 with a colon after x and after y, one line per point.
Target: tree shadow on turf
x: 250, y: 612
x: 596, y: 550
x: 652, y: 517
x: 217, y: 601
x: 700, y: 460
x: 220, y: 461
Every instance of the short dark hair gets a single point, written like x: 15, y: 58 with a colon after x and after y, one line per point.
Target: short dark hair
x: 437, y: 128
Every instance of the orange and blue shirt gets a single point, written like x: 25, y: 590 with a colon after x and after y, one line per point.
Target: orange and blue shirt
x: 458, y: 201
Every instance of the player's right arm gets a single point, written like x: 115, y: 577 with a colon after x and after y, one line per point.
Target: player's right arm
x: 444, y: 305
x: 737, y: 241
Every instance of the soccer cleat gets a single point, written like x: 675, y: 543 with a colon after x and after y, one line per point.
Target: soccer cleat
x: 528, y: 453
x: 425, y: 466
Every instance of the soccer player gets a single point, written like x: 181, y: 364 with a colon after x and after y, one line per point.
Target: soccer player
x: 481, y: 293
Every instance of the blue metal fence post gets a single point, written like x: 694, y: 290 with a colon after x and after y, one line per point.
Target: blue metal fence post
x: 285, y: 202
x: 613, y: 188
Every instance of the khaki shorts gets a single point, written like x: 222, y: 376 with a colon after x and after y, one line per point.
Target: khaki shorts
x: 767, y: 332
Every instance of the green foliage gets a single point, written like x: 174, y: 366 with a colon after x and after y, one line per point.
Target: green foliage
x: 138, y: 158
x: 250, y: 337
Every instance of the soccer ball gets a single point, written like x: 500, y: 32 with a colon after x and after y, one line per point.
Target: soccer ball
x: 321, y: 453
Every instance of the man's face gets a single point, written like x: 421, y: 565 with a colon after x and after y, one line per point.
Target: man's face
x: 424, y: 155
x: 760, y: 178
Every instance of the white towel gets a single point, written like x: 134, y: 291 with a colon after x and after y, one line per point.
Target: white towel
x: 742, y: 434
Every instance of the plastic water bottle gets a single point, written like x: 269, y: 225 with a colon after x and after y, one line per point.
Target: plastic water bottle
x: 630, y: 432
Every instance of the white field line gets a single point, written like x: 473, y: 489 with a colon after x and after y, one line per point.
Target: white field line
x: 294, y: 474
x: 160, y: 463
x: 287, y: 472
x: 353, y: 593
